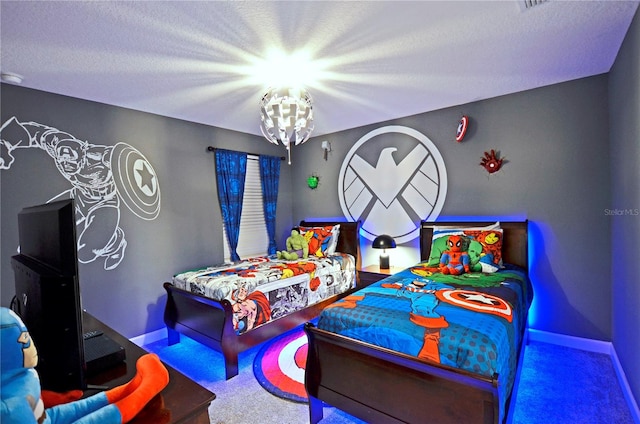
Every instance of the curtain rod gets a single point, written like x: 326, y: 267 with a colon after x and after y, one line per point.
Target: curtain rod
x: 213, y: 149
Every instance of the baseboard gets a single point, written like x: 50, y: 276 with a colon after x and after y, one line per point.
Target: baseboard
x: 148, y: 338
x: 589, y: 345
x: 597, y: 346
x: 626, y: 389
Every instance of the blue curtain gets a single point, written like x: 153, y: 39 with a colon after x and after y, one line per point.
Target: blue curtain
x: 231, y: 169
x: 269, y: 178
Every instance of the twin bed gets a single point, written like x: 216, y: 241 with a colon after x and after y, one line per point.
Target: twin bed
x: 423, y: 346
x: 233, y: 308
x: 418, y: 346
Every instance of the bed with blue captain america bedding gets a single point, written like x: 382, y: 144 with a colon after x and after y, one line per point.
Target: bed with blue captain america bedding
x: 430, y: 343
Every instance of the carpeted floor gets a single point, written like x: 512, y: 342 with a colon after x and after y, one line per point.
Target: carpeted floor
x: 240, y: 400
x: 563, y: 385
x: 558, y: 385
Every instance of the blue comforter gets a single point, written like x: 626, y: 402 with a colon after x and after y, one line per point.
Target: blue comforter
x: 471, y: 321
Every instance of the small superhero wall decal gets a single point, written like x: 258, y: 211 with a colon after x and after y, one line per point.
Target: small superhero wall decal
x: 313, y: 181
x: 491, y: 161
x: 463, y: 125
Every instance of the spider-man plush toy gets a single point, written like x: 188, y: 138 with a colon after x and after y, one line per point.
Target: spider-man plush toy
x: 454, y: 261
x: 21, y: 395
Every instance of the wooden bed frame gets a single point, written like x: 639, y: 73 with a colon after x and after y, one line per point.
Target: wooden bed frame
x: 210, y: 322
x: 379, y: 385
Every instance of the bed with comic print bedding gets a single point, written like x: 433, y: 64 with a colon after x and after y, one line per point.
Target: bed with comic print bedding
x: 231, y: 308
x: 441, y: 341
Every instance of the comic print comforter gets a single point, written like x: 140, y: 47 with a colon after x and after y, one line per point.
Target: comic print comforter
x: 471, y: 321
x: 265, y: 288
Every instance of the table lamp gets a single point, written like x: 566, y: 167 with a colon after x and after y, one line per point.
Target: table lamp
x: 384, y: 242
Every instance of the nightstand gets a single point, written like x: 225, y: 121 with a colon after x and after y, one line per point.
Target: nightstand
x: 372, y: 273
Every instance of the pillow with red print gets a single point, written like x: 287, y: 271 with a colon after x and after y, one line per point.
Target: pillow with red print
x: 322, y: 240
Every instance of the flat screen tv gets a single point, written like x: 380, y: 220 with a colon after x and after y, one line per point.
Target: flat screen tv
x: 48, y: 292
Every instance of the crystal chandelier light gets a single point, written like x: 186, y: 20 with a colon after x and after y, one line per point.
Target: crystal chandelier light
x: 286, y: 116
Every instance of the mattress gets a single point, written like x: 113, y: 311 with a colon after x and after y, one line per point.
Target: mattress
x: 263, y: 289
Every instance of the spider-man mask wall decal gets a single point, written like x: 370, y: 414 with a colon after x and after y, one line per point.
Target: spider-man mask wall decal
x: 491, y: 162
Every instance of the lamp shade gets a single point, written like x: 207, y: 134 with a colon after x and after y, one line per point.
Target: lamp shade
x: 384, y: 241
x: 286, y: 116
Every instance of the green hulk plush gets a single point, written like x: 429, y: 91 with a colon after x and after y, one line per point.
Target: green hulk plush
x: 297, y: 247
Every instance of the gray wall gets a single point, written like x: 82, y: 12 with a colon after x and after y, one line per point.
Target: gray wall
x: 188, y: 231
x: 624, y: 100
x: 555, y: 140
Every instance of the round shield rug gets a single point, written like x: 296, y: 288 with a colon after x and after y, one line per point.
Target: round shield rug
x: 279, y: 366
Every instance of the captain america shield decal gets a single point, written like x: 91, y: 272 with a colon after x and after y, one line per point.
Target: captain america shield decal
x: 136, y: 181
x: 476, y: 301
x: 462, y: 128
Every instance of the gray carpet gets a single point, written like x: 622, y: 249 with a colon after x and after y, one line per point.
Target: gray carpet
x: 558, y: 385
x: 564, y: 385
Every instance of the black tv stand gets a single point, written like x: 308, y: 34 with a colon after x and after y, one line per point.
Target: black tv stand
x: 183, y: 400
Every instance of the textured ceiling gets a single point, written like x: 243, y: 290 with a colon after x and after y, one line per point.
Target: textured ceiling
x: 372, y: 61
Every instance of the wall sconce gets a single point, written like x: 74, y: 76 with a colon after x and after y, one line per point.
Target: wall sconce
x: 384, y: 242
x: 326, y: 146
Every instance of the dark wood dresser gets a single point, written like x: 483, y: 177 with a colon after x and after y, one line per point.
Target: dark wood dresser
x: 182, y: 401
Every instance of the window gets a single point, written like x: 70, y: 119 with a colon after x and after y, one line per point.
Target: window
x: 253, y: 240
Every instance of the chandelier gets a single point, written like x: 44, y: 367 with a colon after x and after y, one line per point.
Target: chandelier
x: 286, y: 116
